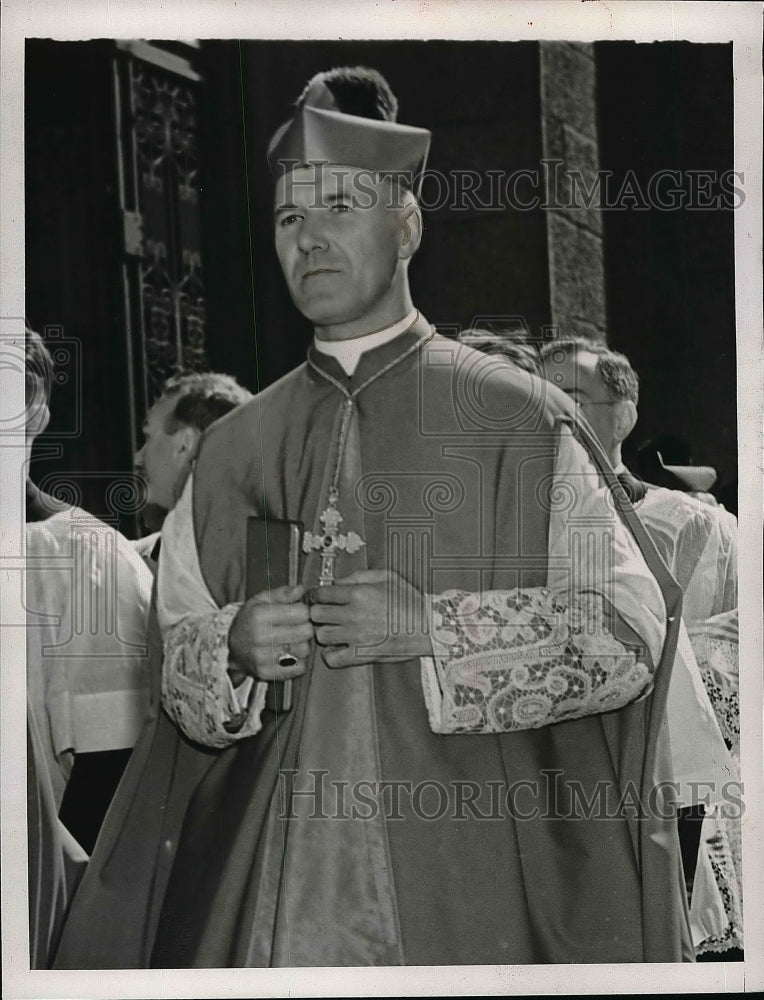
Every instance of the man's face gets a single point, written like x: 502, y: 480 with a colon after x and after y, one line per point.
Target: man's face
x: 576, y: 374
x: 161, y: 461
x: 337, y: 238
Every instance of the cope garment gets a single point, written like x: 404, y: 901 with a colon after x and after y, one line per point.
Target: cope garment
x: 549, y: 659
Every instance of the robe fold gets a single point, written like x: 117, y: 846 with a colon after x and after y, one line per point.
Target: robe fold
x: 449, y: 481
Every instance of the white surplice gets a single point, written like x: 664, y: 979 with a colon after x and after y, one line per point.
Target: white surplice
x: 87, y: 601
x: 699, y: 544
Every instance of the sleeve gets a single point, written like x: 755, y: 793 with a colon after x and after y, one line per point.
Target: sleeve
x: 586, y: 643
x: 722, y: 571
x: 197, y: 692
x: 711, y: 588
x: 715, y: 643
x: 716, y: 914
x: 196, y: 689
x: 727, y: 568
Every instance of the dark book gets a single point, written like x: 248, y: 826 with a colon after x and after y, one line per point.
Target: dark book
x: 273, y: 560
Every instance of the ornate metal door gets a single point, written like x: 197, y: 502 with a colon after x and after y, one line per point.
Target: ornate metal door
x: 156, y: 99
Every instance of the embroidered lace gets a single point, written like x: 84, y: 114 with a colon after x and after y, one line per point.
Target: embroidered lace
x: 513, y: 660
x: 196, y: 689
x: 715, y: 644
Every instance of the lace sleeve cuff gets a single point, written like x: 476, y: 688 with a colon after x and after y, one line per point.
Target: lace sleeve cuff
x: 196, y: 688
x: 521, y: 659
x: 716, y: 647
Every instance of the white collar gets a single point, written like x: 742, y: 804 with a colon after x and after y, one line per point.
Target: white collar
x: 348, y: 352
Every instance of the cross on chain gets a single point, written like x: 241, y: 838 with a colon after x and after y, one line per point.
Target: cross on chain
x: 330, y: 543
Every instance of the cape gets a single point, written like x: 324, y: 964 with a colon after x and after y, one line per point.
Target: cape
x: 235, y: 881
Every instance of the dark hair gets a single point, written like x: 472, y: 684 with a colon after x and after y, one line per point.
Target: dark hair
x: 508, y: 344
x: 357, y: 90
x: 202, y: 398
x: 37, y: 359
x: 615, y: 370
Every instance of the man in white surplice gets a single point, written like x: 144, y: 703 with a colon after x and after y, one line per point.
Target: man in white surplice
x: 698, y: 542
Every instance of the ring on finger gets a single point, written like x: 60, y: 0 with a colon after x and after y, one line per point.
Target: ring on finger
x: 286, y: 656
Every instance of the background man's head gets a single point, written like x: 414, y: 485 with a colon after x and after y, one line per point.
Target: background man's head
x: 188, y: 405
x: 344, y: 232
x: 601, y: 381
x: 38, y: 379
x: 508, y: 344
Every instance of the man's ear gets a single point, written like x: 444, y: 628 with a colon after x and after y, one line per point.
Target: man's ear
x: 411, y: 231
x: 625, y: 419
x: 186, y: 441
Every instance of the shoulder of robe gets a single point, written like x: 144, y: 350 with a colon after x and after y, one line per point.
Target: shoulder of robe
x: 501, y: 390
x: 47, y: 537
x: 54, y: 537
x: 692, y: 515
x: 726, y: 520
x: 238, y: 433
x: 57, y: 530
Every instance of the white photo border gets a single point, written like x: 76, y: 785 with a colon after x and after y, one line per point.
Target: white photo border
x: 512, y: 20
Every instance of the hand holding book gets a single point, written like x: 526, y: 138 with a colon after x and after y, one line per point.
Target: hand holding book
x: 264, y: 626
x: 270, y: 636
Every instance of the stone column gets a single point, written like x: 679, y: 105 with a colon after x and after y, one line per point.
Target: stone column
x: 574, y: 222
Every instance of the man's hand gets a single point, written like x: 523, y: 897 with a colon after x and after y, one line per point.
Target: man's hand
x: 369, y: 615
x: 264, y: 625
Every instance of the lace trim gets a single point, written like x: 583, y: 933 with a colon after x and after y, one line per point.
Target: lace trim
x: 725, y: 700
x: 715, y: 644
x: 521, y: 659
x: 717, y: 656
x: 196, y: 689
x: 721, y: 841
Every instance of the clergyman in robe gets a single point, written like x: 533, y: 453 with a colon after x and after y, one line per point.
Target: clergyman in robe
x: 473, y: 764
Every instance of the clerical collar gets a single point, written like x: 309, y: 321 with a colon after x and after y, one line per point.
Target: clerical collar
x: 348, y: 352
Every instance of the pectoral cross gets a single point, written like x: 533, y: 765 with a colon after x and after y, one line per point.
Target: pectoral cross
x: 330, y: 543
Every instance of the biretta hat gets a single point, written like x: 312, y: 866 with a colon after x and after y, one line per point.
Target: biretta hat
x: 320, y: 133
x: 699, y: 478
